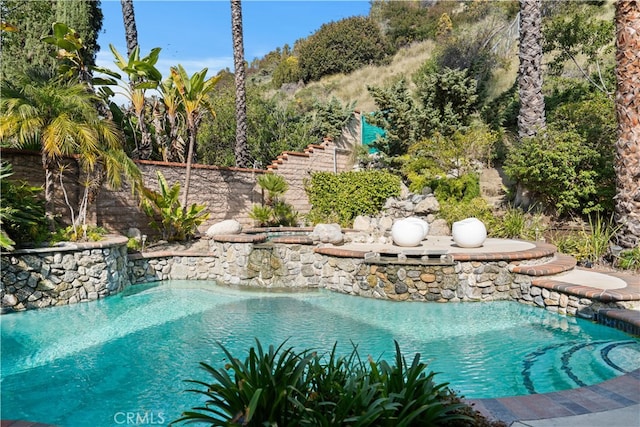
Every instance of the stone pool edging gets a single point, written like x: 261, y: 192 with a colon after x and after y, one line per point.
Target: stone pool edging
x: 38, y: 278
x: 293, y: 262
x: 64, y: 274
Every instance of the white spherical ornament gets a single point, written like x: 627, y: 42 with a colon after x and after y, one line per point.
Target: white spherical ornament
x: 469, y: 233
x: 407, y: 233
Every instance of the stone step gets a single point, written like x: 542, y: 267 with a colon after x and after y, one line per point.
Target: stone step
x: 559, y: 264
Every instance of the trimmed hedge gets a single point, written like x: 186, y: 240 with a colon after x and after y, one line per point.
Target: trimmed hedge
x: 341, y: 197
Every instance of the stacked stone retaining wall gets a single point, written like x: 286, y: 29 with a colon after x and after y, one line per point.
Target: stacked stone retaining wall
x: 39, y: 278
x: 85, y: 272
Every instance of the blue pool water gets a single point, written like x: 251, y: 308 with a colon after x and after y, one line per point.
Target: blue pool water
x: 124, y: 358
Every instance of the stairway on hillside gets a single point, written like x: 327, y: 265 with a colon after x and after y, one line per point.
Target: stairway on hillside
x: 493, y: 183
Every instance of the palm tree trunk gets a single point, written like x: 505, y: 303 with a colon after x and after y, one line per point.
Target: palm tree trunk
x: 48, y: 191
x: 187, y: 179
x: 130, y: 30
x: 531, y: 117
x: 627, y: 101
x: 240, y: 150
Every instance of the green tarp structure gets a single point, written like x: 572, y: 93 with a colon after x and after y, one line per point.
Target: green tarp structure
x: 370, y: 133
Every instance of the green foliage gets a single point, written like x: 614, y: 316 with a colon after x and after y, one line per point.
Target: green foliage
x: 408, y: 22
x: 88, y: 233
x: 594, y: 119
x: 469, y: 54
x: 456, y: 189
x: 629, y: 259
x: 21, y: 48
x: 341, y: 47
x: 502, y: 111
x: 86, y: 18
x: 560, y: 168
x: 287, y: 71
x: 275, y: 211
x: 518, y: 224
x: 589, y: 244
x: 22, y: 217
x: 398, y: 115
x: 330, y: 117
x: 448, y: 99
x: 346, y: 195
x: 167, y: 215
x: 577, y: 33
x: 274, y: 185
x: 458, y: 154
x: 452, y: 211
x: 279, y: 386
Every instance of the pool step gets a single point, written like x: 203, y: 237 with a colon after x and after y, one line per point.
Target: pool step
x: 560, y: 263
x: 571, y: 365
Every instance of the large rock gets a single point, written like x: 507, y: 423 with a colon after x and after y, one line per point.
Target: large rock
x: 428, y: 205
x: 439, y: 227
x: 328, y: 233
x: 362, y: 223
x: 228, y: 226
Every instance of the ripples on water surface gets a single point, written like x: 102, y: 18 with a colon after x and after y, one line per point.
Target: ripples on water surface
x: 87, y: 364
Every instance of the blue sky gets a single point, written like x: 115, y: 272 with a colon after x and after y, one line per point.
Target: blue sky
x: 197, y: 34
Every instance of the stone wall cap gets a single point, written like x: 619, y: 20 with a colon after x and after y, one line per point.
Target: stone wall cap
x: 107, y: 242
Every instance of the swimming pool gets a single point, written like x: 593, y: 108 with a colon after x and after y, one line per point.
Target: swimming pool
x: 127, y: 356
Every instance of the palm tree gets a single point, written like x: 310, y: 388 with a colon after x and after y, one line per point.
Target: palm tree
x: 531, y: 116
x: 193, y: 96
x: 142, y: 75
x: 175, y: 145
x: 130, y: 30
x: 61, y: 119
x: 241, y: 152
x: 627, y: 101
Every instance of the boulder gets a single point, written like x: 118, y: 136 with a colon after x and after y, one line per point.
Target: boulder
x: 328, y: 233
x: 439, y: 227
x: 362, y: 223
x: 134, y: 233
x: 428, y: 205
x: 228, y: 226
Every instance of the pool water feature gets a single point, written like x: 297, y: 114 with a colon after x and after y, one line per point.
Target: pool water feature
x: 127, y: 355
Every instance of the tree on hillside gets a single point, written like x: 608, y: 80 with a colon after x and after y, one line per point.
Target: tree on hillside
x: 130, y: 30
x: 241, y: 151
x: 531, y: 118
x: 341, y: 47
x: 627, y: 100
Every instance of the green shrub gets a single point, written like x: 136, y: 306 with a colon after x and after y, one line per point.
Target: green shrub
x: 452, y: 210
x: 274, y: 211
x: 439, y: 155
x: 283, y: 387
x: 629, y: 259
x: 167, y: 215
x: 460, y: 189
x: 85, y: 232
x: 346, y: 195
x: 559, y: 168
x: 341, y: 47
x: 592, y: 244
x: 448, y: 98
x: 518, y: 224
x: 22, y: 213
